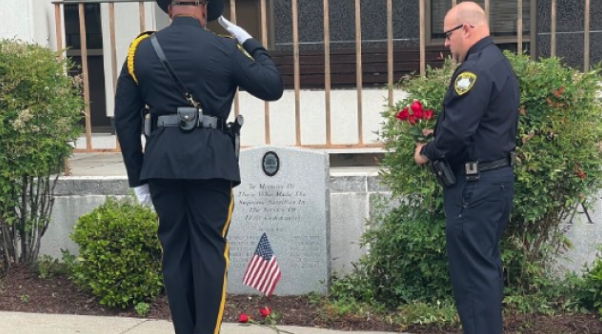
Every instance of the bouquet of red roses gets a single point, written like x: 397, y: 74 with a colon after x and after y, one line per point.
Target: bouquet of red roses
x: 416, y: 119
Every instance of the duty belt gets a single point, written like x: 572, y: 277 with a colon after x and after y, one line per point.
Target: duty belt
x: 205, y: 121
x: 473, y: 168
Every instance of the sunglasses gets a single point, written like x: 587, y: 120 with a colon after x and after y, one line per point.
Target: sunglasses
x: 448, y: 33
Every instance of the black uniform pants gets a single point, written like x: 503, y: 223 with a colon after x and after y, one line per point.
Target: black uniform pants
x: 476, y: 214
x: 194, y: 216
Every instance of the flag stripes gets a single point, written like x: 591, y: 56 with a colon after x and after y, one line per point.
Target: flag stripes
x: 263, y: 272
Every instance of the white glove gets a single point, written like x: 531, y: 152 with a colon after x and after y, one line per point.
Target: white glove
x: 143, y: 195
x: 239, y: 33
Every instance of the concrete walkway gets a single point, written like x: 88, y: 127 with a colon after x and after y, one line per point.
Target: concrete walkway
x: 42, y: 323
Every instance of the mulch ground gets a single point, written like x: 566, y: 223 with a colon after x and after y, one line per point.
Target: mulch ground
x: 22, y: 290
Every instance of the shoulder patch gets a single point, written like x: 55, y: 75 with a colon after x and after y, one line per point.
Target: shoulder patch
x: 464, y: 82
x: 132, y: 53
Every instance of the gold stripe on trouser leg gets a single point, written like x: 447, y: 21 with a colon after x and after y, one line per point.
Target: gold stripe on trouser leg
x: 227, y: 257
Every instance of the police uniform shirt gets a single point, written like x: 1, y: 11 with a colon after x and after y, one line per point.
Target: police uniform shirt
x: 480, y: 110
x: 211, y: 68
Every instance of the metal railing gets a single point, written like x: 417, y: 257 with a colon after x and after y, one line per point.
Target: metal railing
x: 296, y: 55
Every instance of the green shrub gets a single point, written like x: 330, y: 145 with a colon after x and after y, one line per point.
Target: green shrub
x: 590, y: 289
x: 438, y: 314
x: 40, y: 110
x: 554, y: 294
x: 406, y: 263
x: 142, y: 309
x: 47, y: 267
x: 120, y: 254
x: 559, y: 166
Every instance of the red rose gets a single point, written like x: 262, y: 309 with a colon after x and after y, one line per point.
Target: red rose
x: 419, y: 113
x: 416, y: 107
x: 243, y: 318
x: 403, y: 114
x: 265, y: 311
x: 412, y: 119
x: 428, y: 114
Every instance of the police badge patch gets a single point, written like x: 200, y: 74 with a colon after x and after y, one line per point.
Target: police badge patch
x: 464, y: 82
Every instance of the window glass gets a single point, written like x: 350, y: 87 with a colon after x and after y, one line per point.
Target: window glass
x: 503, y: 20
x: 93, y: 26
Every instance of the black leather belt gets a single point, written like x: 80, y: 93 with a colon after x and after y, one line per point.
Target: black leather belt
x: 495, y: 164
x: 205, y: 121
x: 473, y: 168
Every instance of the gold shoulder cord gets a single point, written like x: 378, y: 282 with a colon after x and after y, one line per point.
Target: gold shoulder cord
x: 132, y: 53
x: 240, y: 48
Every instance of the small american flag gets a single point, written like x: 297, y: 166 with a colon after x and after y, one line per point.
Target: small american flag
x: 263, y: 272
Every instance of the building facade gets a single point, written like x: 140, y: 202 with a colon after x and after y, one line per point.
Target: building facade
x: 349, y: 116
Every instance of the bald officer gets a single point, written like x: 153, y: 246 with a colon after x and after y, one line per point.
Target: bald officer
x: 189, y: 165
x: 475, y: 135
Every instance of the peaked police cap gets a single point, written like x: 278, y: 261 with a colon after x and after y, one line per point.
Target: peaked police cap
x: 215, y: 8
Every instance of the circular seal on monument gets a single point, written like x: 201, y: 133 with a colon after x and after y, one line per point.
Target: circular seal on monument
x: 270, y: 163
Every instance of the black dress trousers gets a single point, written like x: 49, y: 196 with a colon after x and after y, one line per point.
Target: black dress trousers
x: 477, y: 213
x: 194, y: 217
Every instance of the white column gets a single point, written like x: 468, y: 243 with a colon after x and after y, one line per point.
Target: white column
x: 43, y: 25
x: 17, y: 20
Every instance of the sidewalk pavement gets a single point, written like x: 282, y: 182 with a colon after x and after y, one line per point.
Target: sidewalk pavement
x: 43, y: 323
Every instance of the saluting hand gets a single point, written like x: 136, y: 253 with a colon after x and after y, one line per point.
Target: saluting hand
x: 239, y: 33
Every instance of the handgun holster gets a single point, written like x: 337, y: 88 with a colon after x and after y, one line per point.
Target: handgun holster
x: 443, y: 172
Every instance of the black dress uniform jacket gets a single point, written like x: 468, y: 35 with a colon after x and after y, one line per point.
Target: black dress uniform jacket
x: 480, y: 110
x: 211, y: 67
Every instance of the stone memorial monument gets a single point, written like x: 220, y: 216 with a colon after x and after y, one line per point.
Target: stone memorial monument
x: 284, y: 193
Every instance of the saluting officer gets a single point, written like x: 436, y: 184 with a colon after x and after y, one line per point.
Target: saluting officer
x: 186, y: 77
x: 476, y: 135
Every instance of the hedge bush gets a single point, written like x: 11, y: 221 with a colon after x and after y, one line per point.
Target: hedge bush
x: 559, y: 166
x: 40, y: 110
x: 120, y: 255
x: 590, y: 287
